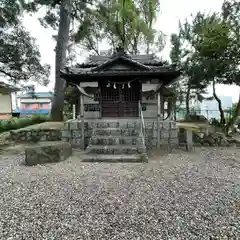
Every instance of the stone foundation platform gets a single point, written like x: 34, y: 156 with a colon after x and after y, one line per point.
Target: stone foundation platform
x: 119, y: 131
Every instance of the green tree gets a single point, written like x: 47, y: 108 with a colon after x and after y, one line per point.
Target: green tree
x: 120, y: 22
x: 210, y: 54
x: 217, y: 51
x: 176, y: 58
x: 231, y: 13
x: 124, y: 23
x: 20, y: 57
x: 60, y: 59
x: 183, y: 54
x: 59, y: 15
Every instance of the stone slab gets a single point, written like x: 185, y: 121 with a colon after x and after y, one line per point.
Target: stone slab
x: 47, y: 152
x: 114, y: 158
x: 110, y: 149
x: 108, y: 140
x: 116, y: 132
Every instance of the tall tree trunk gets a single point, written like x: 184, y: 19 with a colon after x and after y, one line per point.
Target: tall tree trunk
x: 60, y: 59
x: 187, y: 115
x: 222, y: 117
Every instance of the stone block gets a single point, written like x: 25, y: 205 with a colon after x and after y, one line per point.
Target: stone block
x: 66, y: 133
x: 149, y: 125
x: 105, y: 124
x: 160, y: 125
x: 47, y: 152
x: 54, y: 135
x: 65, y: 139
x: 165, y: 134
x: 134, y: 124
x: 174, y: 133
x: 173, y: 125
x: 66, y: 125
x: 175, y: 141
x: 86, y: 125
x: 76, y: 142
x: 76, y: 133
x: 166, y: 124
x: 153, y: 142
x: 154, y: 134
x: 88, y: 133
x: 75, y: 125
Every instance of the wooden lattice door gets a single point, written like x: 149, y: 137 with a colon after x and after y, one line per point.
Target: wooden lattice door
x: 120, y: 100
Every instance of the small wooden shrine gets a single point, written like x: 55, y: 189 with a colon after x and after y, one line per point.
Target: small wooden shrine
x: 121, y: 81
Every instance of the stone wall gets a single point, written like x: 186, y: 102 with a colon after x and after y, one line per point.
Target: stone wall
x: 72, y: 133
x: 168, y: 133
x: 34, y: 135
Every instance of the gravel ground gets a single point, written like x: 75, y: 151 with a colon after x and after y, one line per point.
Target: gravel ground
x: 180, y: 196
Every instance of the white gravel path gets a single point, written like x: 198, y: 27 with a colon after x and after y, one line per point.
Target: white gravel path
x: 176, y: 197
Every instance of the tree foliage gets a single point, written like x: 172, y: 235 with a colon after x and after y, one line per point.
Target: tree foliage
x: 231, y: 13
x: 218, y: 51
x: 210, y: 51
x: 20, y: 57
x: 216, y: 47
x: 123, y: 23
x: 184, y: 55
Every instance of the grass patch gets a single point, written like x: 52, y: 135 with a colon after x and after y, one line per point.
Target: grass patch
x: 17, y: 123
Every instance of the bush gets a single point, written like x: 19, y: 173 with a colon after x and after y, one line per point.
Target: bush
x: 16, y: 123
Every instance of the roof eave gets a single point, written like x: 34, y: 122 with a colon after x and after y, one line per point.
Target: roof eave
x: 155, y: 73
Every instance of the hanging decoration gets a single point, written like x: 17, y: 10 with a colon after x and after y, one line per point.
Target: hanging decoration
x: 128, y: 83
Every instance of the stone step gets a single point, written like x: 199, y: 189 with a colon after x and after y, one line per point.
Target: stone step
x: 109, y: 140
x: 104, y: 124
x: 115, y: 149
x: 113, y: 158
x: 116, y: 132
x: 116, y: 124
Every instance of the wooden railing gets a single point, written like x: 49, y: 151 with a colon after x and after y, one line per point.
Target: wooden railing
x: 143, y: 129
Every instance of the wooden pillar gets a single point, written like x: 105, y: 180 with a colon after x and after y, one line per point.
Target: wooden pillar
x: 162, y: 102
x: 77, y: 102
x: 158, y: 118
x: 189, y: 138
x: 170, y: 105
x: 100, y: 100
x: 82, y: 120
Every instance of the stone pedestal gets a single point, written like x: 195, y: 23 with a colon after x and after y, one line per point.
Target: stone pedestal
x: 47, y: 152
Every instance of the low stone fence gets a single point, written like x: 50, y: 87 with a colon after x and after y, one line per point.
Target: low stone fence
x: 168, y: 134
x: 71, y: 132
x: 34, y: 135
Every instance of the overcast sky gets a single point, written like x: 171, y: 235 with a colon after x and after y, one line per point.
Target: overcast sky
x: 171, y: 12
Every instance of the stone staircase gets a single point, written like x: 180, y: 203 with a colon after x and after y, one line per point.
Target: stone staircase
x: 116, y: 141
